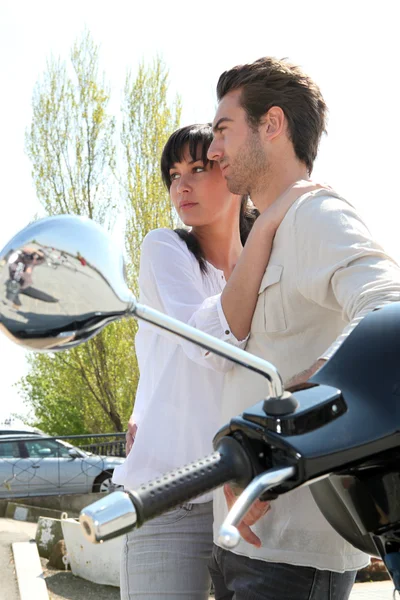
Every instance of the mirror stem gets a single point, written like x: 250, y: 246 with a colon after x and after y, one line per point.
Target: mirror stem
x: 208, y: 342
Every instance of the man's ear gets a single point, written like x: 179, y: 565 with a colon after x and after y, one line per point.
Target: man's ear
x: 273, y: 124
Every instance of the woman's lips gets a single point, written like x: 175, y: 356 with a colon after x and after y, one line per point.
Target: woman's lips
x: 187, y: 205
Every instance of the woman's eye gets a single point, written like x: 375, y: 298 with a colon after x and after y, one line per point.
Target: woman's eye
x: 199, y: 169
x: 174, y: 176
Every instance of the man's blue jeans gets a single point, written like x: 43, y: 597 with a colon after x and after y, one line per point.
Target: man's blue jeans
x: 238, y: 577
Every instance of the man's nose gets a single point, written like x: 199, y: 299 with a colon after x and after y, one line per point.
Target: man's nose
x: 215, y: 150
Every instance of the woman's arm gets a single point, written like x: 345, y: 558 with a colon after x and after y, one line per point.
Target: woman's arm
x: 239, y: 297
x: 130, y: 435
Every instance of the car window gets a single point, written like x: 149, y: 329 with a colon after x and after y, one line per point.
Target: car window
x: 9, y: 450
x: 45, y: 449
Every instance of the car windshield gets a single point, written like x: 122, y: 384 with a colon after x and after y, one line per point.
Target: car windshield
x: 70, y: 446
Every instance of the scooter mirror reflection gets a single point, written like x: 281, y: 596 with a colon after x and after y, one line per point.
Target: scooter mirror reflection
x: 62, y: 279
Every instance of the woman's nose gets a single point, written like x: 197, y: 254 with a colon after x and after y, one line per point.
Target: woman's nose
x: 183, y: 184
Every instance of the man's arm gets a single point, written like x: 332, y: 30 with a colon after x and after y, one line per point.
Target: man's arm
x: 305, y: 375
x: 340, y: 267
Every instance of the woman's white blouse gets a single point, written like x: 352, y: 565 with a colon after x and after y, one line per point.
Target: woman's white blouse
x: 178, y: 399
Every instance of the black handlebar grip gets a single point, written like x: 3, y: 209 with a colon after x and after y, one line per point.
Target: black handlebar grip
x: 229, y: 462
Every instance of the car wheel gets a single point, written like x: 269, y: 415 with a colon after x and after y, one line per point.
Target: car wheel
x: 104, y: 483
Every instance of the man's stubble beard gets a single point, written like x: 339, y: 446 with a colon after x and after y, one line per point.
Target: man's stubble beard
x: 249, y: 168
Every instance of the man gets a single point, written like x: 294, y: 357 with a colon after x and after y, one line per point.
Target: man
x: 325, y: 273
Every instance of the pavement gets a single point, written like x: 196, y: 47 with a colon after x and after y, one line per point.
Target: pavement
x: 376, y: 590
x: 63, y: 585
x: 12, y: 531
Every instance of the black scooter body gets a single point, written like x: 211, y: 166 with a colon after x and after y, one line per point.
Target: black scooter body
x: 364, y: 503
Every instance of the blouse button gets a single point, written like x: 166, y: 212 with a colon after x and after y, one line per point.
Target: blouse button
x: 227, y: 332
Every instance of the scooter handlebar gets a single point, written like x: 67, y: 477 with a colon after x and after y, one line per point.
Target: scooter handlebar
x: 230, y: 462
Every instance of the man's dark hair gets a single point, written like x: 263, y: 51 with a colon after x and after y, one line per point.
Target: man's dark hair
x: 197, y: 138
x: 269, y: 82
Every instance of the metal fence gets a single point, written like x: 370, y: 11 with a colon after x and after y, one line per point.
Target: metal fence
x: 36, y: 465
x: 115, y: 448
x: 107, y: 444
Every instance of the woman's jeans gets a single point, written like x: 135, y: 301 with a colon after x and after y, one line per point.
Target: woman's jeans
x: 168, y: 556
x: 237, y: 577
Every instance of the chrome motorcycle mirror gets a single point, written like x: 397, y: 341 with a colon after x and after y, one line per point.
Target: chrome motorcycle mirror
x: 62, y: 279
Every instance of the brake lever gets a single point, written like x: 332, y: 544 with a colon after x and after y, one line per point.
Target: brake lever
x: 229, y: 536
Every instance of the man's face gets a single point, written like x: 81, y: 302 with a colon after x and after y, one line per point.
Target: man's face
x: 237, y: 147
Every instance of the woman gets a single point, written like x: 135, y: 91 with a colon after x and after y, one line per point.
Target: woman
x: 205, y: 278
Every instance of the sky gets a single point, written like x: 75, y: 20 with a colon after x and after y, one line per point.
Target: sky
x: 350, y: 48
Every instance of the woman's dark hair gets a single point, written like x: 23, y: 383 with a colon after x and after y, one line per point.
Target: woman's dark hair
x: 198, y: 138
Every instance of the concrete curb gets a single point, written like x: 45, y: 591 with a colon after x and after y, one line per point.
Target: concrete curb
x: 28, y: 568
x: 21, y: 512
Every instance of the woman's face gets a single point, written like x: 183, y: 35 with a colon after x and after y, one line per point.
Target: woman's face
x: 199, y: 192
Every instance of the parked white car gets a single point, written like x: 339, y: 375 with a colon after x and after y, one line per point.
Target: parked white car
x: 32, y: 465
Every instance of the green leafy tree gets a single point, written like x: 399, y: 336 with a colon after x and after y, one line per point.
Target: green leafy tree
x: 91, y: 388
x: 147, y: 121
x: 71, y: 138
x: 86, y: 390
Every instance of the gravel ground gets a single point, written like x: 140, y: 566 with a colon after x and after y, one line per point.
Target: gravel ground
x: 63, y: 585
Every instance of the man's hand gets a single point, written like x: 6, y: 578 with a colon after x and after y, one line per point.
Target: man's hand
x: 258, y: 509
x: 304, y: 375
x: 130, y: 435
